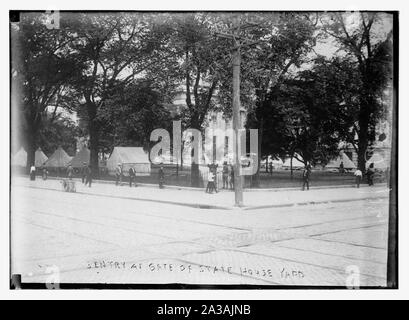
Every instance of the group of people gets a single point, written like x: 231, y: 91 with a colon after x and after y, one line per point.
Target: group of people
x: 227, y: 176
x: 370, y: 174
x: 119, y: 175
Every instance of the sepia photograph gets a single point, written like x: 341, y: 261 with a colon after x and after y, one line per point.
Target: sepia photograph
x: 203, y: 149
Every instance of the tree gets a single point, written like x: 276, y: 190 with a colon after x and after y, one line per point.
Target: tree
x: 202, y: 61
x: 130, y: 115
x: 371, y: 51
x: 114, y: 49
x: 286, y: 41
x: 61, y: 132
x: 41, y: 75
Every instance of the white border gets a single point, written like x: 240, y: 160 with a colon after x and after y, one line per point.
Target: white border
x: 402, y: 293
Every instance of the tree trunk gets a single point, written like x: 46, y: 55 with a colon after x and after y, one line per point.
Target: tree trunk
x: 94, y: 132
x: 291, y: 167
x: 194, y: 169
x: 363, y: 139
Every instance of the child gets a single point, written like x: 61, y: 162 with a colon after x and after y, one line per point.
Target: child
x: 358, y: 177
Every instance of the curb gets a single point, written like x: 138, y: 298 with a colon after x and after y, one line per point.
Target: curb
x: 217, y: 207
x: 172, y: 187
x: 284, y: 205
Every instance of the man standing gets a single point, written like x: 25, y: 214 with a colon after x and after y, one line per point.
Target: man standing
x: 358, y: 177
x: 70, y: 172
x: 210, y: 183
x: 271, y: 168
x: 84, y: 172
x: 306, y: 177
x: 45, y: 173
x: 33, y: 173
x: 118, y: 174
x: 132, y: 176
x: 225, y: 176
x: 341, y: 168
x: 88, y: 177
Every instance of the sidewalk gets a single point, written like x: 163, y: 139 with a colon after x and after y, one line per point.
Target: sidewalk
x: 223, y: 200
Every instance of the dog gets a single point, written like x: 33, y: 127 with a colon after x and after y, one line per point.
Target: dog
x: 68, y: 185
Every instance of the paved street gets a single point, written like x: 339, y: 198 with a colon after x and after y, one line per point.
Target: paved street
x: 102, y: 236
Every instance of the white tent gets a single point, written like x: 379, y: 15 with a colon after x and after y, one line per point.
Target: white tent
x: 128, y: 157
x: 348, y: 164
x: 20, y: 158
x: 40, y: 158
x: 379, y: 161
x: 59, y: 159
x: 296, y: 163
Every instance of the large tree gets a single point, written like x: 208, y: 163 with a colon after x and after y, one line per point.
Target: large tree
x: 367, y: 39
x: 42, y: 72
x: 284, y: 43
x: 202, y: 61
x: 114, y: 49
x: 130, y: 115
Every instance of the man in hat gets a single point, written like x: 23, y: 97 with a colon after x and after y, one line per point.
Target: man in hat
x: 118, y: 174
x: 132, y: 176
x: 306, y: 177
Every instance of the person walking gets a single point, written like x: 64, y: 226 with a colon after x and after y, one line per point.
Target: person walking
x: 161, y: 176
x: 88, y: 177
x: 306, y: 177
x: 118, y: 174
x: 32, y: 173
x: 358, y: 177
x: 132, y: 176
x: 271, y: 168
x: 70, y: 172
x: 84, y: 172
x: 225, y: 176
x: 371, y: 174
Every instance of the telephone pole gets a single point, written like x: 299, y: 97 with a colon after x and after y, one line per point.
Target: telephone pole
x: 238, y: 179
x: 237, y: 121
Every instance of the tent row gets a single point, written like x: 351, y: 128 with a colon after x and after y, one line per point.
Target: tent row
x: 20, y: 158
x: 137, y: 158
x: 58, y: 159
x: 127, y: 157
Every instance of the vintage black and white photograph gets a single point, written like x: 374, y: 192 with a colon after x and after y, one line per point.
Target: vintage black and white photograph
x: 203, y: 149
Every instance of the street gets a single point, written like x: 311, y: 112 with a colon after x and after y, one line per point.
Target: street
x: 89, y: 238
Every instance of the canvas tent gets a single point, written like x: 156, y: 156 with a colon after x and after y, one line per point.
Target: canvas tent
x: 134, y: 157
x: 20, y: 158
x: 59, y: 159
x: 277, y: 162
x: 380, y: 162
x: 296, y: 163
x: 82, y: 156
x: 348, y: 164
x: 40, y: 158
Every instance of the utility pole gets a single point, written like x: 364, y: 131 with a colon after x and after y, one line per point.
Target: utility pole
x: 237, y: 121
x: 238, y: 180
